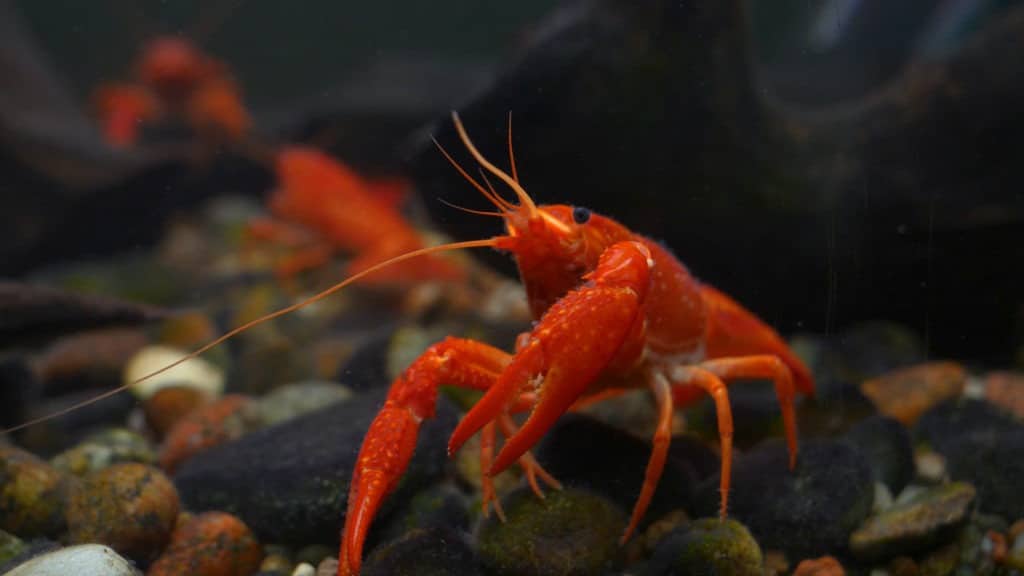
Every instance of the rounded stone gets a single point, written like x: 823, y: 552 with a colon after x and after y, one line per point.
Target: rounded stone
x: 32, y: 494
x: 84, y: 560
x: 130, y: 507
x: 571, y: 532
x: 710, y: 547
x: 210, y: 544
x: 103, y: 449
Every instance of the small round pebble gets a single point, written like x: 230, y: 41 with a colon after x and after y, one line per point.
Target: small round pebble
x: 571, y: 532
x: 31, y: 494
x: 103, y: 449
x: 194, y: 372
x: 203, y: 428
x: 824, y: 566
x: 210, y: 544
x: 130, y: 507
x: 84, y: 560
x: 170, y: 404
x: 707, y: 546
x: 277, y: 560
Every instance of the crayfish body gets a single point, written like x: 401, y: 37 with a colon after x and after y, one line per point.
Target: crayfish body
x: 616, y: 311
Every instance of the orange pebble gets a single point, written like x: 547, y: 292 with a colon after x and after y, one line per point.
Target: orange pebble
x: 169, y: 405
x: 824, y: 566
x: 210, y: 544
x: 908, y: 393
x: 201, y: 429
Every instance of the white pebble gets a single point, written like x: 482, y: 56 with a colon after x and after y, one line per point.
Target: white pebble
x: 84, y: 560
x: 304, y: 569
x: 931, y: 466
x: 195, y: 372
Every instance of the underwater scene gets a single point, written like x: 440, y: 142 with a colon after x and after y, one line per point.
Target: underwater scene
x: 550, y: 287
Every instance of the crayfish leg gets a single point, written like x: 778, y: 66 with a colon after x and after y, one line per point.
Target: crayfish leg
x: 708, y: 381
x: 662, y: 438
x: 769, y: 367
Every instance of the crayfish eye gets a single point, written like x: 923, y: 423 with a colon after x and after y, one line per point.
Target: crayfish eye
x: 580, y: 215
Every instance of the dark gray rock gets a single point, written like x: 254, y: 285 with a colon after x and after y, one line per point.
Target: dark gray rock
x: 433, y: 551
x: 290, y: 482
x: 953, y: 421
x: 440, y: 505
x: 886, y: 445
x: 807, y: 512
x: 994, y: 467
x: 580, y: 451
x: 982, y: 445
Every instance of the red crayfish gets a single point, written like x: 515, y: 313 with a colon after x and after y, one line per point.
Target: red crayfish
x: 615, y: 311
x: 344, y: 211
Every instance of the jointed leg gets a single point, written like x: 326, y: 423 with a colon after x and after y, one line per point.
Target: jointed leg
x: 715, y: 387
x: 488, y: 494
x: 529, y: 464
x: 662, y: 436
x: 769, y: 367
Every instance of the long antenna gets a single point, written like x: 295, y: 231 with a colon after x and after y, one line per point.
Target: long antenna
x: 488, y: 242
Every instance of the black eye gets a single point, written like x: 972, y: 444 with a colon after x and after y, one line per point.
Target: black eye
x: 580, y: 215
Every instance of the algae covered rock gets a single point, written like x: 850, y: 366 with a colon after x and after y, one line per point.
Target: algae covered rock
x: 130, y: 507
x: 31, y: 494
x: 571, y: 532
x: 709, y: 547
x: 103, y: 449
x: 925, y: 521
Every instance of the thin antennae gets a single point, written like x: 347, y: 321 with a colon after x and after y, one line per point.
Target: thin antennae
x: 470, y: 210
x: 497, y: 200
x: 511, y: 155
x: 488, y: 242
x: 524, y: 198
x: 487, y: 180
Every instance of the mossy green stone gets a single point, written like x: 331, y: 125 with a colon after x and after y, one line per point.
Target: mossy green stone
x: 709, y: 547
x: 104, y: 449
x: 571, y: 532
x: 32, y: 495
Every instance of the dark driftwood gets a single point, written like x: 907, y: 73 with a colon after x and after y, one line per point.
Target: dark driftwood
x: 905, y: 205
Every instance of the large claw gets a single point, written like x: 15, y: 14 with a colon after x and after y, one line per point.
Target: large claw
x: 383, y: 458
x: 567, y: 350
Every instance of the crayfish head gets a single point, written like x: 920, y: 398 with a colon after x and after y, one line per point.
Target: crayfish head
x: 557, y: 247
